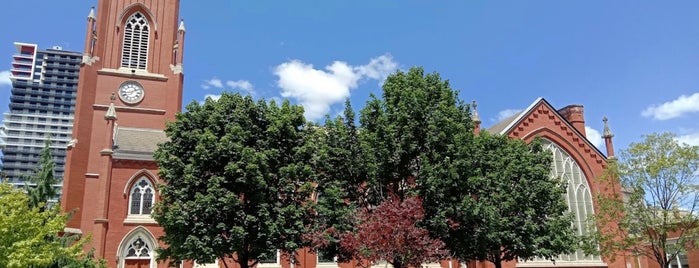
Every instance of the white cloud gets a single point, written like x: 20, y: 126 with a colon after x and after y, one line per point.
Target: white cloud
x: 504, y: 114
x: 378, y: 68
x: 318, y: 89
x: 691, y: 139
x: 594, y: 136
x: 212, y: 96
x: 672, y: 109
x: 241, y: 85
x: 5, y: 78
x: 214, y: 82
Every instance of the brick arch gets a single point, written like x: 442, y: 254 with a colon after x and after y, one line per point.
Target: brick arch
x: 569, y: 148
x: 141, y: 173
x: 133, y: 8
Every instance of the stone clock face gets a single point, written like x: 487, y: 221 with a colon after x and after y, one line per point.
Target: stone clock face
x: 131, y: 92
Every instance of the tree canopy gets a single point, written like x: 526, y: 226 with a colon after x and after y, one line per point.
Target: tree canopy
x: 29, y: 236
x: 236, y: 179
x: 244, y: 177
x: 417, y: 140
x: 410, y: 132
x: 514, y: 209
x: 338, y: 160
x: 43, y: 180
x: 390, y: 232
x: 38, y: 195
x: 656, y: 216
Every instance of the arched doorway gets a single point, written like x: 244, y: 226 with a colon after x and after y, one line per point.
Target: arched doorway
x: 137, y: 249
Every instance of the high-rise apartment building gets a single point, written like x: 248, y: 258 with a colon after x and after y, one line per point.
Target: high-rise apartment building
x: 42, y: 102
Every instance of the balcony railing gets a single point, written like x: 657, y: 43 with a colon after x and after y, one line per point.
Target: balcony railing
x: 21, y: 106
x: 20, y: 98
x: 60, y: 80
x: 53, y: 91
x: 59, y: 59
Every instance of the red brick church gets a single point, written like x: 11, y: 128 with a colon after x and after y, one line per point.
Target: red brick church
x: 131, y: 85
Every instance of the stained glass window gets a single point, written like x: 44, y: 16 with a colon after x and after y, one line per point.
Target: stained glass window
x: 142, y: 197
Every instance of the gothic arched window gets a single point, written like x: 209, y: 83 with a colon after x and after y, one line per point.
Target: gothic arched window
x: 134, y: 50
x: 578, y: 196
x: 141, y: 197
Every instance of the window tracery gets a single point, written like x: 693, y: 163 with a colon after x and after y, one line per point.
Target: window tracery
x: 578, y: 196
x: 138, y: 249
x: 134, y: 53
x: 141, y: 198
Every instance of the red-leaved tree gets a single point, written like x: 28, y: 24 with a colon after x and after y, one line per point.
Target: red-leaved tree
x: 389, y: 232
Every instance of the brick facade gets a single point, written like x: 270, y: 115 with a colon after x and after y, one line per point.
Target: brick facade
x: 104, y: 162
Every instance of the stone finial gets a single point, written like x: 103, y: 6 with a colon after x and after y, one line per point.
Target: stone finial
x: 474, y: 112
x: 606, y: 133
x: 607, y: 136
x: 91, y: 16
x: 111, y: 111
x: 181, y: 28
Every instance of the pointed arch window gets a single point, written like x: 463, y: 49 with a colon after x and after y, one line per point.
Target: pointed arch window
x: 578, y: 197
x: 141, y: 197
x: 134, y: 50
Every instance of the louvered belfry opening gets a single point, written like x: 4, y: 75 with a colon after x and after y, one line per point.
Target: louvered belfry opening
x: 134, y: 53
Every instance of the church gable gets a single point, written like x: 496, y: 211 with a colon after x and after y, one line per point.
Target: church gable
x: 541, y: 119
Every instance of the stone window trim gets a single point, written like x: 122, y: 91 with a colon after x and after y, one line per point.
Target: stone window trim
x: 128, y: 242
x: 141, y: 191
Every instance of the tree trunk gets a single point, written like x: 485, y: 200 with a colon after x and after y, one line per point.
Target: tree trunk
x: 496, y: 259
x: 243, y: 261
x: 397, y: 264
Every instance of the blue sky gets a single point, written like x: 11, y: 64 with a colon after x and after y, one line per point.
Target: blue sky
x: 636, y: 62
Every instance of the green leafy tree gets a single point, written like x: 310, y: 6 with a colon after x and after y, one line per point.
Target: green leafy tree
x: 340, y: 174
x: 513, y: 208
x: 417, y: 133
x: 409, y: 132
x: 236, y: 181
x: 418, y: 140
x: 39, y: 195
x: 43, y: 180
x: 655, y: 213
x: 29, y: 236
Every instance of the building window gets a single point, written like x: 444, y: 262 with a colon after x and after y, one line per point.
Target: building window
x: 141, y: 198
x: 578, y: 196
x: 269, y: 259
x: 138, y: 249
x: 325, y: 257
x: 134, y: 52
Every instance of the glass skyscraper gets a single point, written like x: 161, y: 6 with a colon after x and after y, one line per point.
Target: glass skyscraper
x: 42, y: 101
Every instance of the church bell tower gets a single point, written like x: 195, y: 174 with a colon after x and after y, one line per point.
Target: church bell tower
x: 130, y: 86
